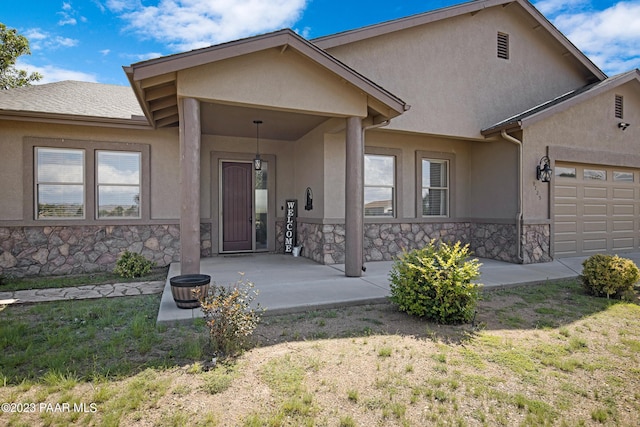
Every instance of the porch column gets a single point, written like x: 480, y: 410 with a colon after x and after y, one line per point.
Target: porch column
x: 190, y: 187
x: 354, y: 200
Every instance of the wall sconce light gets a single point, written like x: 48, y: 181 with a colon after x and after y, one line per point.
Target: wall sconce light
x: 257, y: 162
x: 543, y: 170
x: 623, y: 125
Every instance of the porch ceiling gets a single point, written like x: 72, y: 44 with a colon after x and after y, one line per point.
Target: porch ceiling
x: 231, y: 120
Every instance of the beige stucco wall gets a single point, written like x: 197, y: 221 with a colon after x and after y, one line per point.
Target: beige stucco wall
x: 164, y: 167
x: 448, y: 71
x: 586, y: 133
x: 408, y: 145
x: 275, y: 79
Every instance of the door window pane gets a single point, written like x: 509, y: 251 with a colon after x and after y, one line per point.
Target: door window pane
x: 59, y: 183
x: 565, y: 172
x: 118, y: 184
x: 595, y: 174
x: 262, y: 198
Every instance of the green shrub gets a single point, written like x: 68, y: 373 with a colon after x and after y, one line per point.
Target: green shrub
x: 609, y: 275
x: 229, y: 316
x: 435, y: 282
x: 131, y: 264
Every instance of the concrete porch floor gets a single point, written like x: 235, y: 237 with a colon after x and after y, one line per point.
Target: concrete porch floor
x: 288, y: 284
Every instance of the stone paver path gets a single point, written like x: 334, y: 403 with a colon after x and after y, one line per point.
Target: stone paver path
x: 82, y: 292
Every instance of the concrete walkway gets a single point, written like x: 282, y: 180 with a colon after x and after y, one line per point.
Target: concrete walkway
x: 81, y: 292
x: 289, y: 284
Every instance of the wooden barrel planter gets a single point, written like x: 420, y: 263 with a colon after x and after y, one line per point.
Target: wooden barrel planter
x: 183, y: 289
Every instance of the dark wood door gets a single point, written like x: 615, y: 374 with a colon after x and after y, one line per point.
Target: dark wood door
x: 237, y: 211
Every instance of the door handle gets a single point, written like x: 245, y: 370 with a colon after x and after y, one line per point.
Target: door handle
x: 250, y: 219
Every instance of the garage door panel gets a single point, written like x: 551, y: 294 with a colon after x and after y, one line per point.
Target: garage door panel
x: 624, y: 193
x: 596, y: 215
x: 595, y: 226
x: 594, y: 244
x: 564, y: 209
x: 623, y: 243
x: 566, y: 191
x: 566, y: 227
x: 594, y: 209
x: 566, y: 248
x: 595, y: 193
x: 623, y: 225
x: 623, y: 209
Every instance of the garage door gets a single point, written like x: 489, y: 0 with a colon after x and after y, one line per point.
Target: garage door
x: 596, y: 210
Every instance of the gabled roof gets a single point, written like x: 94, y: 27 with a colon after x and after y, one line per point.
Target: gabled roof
x: 561, y: 103
x: 75, y: 101
x: 472, y: 7
x: 154, y: 81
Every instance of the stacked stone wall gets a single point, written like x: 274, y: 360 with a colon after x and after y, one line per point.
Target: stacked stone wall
x: 60, y: 250
x: 324, y: 243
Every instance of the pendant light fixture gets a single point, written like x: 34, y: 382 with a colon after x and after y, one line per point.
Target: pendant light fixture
x: 257, y: 162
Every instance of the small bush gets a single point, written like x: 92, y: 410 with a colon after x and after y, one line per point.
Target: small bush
x: 435, y: 282
x: 131, y: 264
x: 229, y: 316
x: 609, y: 275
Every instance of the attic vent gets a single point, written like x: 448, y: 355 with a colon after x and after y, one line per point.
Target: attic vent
x: 503, y: 46
x: 619, y: 109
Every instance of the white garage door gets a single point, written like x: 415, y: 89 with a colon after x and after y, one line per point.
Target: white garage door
x: 596, y: 209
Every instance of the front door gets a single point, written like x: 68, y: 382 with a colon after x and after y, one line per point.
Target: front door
x: 237, y: 209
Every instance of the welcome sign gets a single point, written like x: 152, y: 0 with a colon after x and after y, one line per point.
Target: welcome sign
x: 290, y: 226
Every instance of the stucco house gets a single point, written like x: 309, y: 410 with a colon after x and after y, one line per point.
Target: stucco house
x: 479, y: 122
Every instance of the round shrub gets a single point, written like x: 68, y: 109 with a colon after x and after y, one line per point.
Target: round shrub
x: 609, y: 275
x: 131, y: 264
x: 435, y: 282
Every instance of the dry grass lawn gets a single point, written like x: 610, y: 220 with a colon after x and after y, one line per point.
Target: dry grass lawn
x: 538, y: 355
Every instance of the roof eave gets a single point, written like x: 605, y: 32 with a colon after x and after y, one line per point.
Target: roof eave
x: 136, y: 122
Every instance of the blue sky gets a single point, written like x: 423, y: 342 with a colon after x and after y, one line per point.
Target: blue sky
x: 90, y: 40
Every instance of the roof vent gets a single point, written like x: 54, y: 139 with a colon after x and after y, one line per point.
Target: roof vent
x: 503, y: 46
x: 618, y: 108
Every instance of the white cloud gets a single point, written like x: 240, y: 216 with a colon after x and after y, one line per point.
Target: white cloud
x: 548, y: 7
x: 191, y: 24
x: 105, y: 52
x: 609, y: 37
x: 40, y: 40
x: 51, y: 73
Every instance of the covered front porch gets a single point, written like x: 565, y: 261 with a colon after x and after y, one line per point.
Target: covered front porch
x: 279, y: 89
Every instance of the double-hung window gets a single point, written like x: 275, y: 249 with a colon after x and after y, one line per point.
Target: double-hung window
x: 118, y: 184
x: 379, y: 185
x: 435, y: 187
x: 88, y: 182
x: 60, y: 183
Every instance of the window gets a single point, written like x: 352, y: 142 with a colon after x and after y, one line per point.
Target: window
x: 435, y: 187
x: 86, y: 181
x: 118, y: 184
x: 565, y: 172
x: 595, y: 174
x: 623, y: 176
x: 503, y: 46
x: 379, y: 185
x: 59, y: 183
x: 619, y: 107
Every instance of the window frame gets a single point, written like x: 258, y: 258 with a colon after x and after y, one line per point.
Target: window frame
x: 38, y: 182
x: 397, y: 179
x: 98, y: 184
x: 90, y: 180
x: 439, y: 157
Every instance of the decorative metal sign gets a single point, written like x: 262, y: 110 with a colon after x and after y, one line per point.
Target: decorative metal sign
x: 290, y: 226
